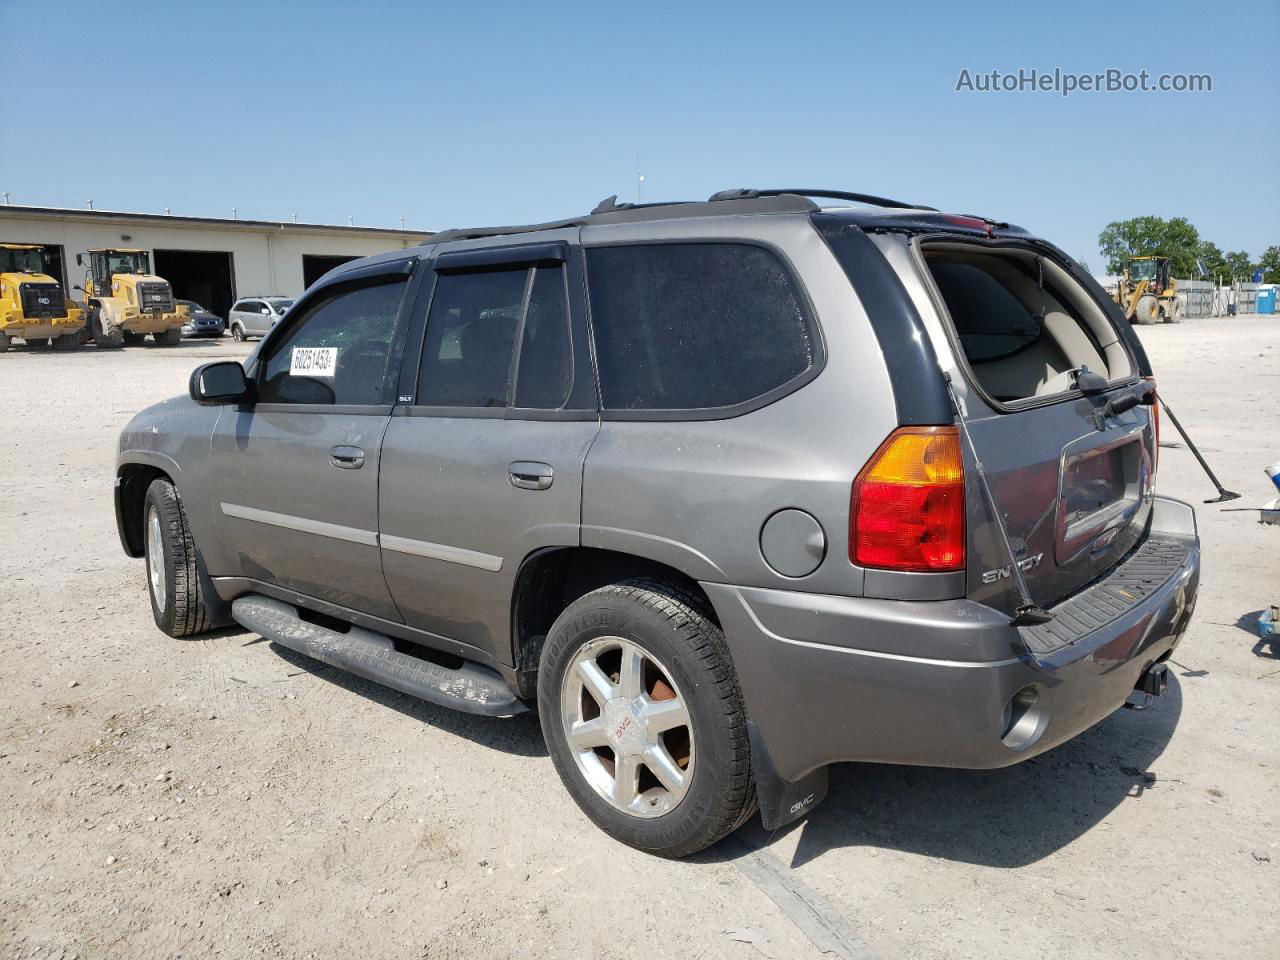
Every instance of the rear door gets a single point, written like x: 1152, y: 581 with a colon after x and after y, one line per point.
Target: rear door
x: 296, y: 474
x: 482, y: 461
x: 1073, y: 486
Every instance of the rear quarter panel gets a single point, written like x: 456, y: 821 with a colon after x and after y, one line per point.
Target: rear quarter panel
x: 695, y: 494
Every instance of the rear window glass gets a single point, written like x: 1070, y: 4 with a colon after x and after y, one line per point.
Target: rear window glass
x: 688, y: 326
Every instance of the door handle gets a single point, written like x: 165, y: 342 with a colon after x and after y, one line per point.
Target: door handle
x: 348, y: 458
x: 530, y: 475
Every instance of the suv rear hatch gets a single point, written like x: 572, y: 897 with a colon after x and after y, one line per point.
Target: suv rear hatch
x: 1074, y: 486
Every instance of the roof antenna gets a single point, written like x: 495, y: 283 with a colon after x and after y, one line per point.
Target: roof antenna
x: 1028, y: 612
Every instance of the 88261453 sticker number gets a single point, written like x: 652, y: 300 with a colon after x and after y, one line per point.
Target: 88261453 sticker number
x: 313, y: 361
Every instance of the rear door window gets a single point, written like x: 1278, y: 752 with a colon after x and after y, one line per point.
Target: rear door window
x: 496, y: 339
x: 696, y: 326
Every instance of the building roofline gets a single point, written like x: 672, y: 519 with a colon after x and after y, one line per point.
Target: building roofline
x: 162, y: 219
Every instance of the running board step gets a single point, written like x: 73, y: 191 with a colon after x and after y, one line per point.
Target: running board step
x: 471, y: 688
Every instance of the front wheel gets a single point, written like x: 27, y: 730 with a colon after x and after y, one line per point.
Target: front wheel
x: 106, y: 339
x: 183, y: 601
x: 641, y: 710
x: 237, y: 332
x: 1147, y: 311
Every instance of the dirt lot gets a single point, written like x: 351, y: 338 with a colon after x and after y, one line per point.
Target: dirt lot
x: 222, y: 797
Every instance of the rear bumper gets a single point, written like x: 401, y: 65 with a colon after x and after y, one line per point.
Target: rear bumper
x: 829, y: 679
x: 51, y: 327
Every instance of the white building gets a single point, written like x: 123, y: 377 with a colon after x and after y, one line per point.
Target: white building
x: 210, y: 261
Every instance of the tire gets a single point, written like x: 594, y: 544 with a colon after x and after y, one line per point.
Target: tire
x: 683, y: 660
x: 4, y: 342
x: 67, y: 341
x: 37, y: 343
x: 183, y: 601
x: 169, y: 338
x: 1147, y: 311
x: 105, y: 340
x: 132, y: 339
x: 237, y: 333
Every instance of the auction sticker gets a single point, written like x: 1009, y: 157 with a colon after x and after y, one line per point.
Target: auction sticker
x: 313, y: 361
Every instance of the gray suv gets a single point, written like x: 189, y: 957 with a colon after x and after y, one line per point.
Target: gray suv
x: 726, y: 491
x: 255, y: 316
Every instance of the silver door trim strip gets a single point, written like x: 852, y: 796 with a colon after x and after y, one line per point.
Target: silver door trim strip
x: 440, y: 551
x: 368, y: 538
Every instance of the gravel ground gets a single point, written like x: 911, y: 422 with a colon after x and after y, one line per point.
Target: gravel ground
x: 222, y: 797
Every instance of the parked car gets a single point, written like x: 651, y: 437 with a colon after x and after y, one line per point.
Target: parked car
x: 255, y: 316
x: 728, y: 491
x: 201, y: 323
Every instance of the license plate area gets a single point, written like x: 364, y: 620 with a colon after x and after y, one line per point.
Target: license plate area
x: 1101, y: 492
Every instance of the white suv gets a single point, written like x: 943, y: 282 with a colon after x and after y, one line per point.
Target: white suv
x: 255, y: 316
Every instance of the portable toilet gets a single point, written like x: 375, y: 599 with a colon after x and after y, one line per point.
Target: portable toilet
x: 1266, y: 300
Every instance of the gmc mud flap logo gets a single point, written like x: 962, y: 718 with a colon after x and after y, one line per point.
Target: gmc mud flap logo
x: 1002, y: 573
x: 802, y: 804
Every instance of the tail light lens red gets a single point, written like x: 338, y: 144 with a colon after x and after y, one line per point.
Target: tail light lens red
x: 907, y: 511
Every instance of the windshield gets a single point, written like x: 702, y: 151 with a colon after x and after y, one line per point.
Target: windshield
x: 1142, y: 269
x: 139, y: 262
x: 21, y: 261
x: 193, y: 306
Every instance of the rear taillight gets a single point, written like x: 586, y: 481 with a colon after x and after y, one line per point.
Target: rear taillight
x: 907, y: 507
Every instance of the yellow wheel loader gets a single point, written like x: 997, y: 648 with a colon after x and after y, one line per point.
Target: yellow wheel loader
x: 124, y: 301
x: 33, y: 305
x: 1148, y: 293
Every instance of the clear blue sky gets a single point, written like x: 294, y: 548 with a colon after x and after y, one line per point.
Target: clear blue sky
x: 452, y: 114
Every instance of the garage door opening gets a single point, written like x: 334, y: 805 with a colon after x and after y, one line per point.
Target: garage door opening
x: 200, y: 275
x: 315, y: 266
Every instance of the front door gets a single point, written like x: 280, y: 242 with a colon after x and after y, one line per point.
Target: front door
x: 482, y: 466
x: 296, y: 488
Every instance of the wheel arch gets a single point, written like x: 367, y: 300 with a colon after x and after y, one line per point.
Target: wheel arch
x: 550, y: 579
x: 133, y: 479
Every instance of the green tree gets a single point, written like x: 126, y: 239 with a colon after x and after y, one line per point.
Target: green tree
x: 1270, y: 264
x: 1176, y: 239
x: 1239, y: 266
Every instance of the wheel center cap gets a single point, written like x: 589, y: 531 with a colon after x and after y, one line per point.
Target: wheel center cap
x: 623, y: 727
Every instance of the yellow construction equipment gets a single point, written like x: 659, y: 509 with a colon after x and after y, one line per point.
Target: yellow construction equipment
x: 33, y: 305
x: 1148, y: 293
x: 125, y: 301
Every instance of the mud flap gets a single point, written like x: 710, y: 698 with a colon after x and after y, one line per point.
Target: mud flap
x: 782, y: 801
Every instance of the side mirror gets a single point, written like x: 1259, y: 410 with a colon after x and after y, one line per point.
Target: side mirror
x: 220, y: 383
x: 77, y: 286
x: 79, y: 260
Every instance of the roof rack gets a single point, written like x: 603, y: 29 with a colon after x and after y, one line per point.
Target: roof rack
x: 750, y: 194
x: 610, y: 211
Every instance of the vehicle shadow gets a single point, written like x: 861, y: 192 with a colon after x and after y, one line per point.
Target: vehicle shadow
x: 520, y: 735
x: 1010, y: 817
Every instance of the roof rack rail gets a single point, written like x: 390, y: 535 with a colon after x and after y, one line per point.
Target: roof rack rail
x: 750, y: 194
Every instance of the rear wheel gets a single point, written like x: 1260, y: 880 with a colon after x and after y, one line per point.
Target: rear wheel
x: 133, y: 339
x: 169, y: 338
x: 643, y: 717
x: 67, y: 341
x: 183, y: 601
x: 4, y: 342
x: 38, y: 343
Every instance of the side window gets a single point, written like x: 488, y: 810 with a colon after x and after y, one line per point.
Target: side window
x: 691, y: 326
x: 337, y: 351
x: 473, y: 328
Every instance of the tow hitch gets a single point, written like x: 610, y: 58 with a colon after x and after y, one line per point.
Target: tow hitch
x: 1153, y: 682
